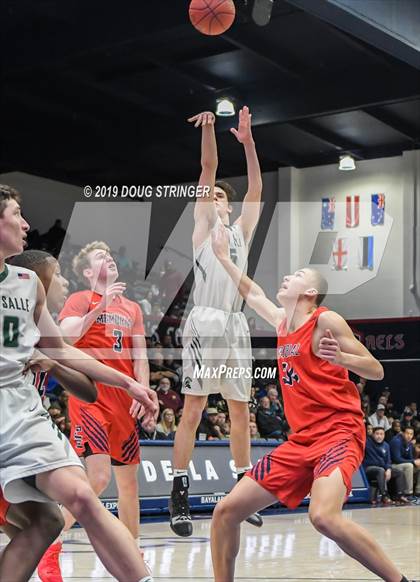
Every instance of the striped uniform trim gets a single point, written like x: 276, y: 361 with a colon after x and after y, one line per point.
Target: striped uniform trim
x: 332, y: 457
x: 262, y: 468
x: 130, y: 448
x: 95, y: 432
x: 195, y: 349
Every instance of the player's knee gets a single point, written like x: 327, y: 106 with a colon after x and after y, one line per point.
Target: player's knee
x: 192, y: 416
x: 326, y: 523
x: 225, y: 514
x: 100, y: 481
x: 83, y: 501
x: 129, y: 488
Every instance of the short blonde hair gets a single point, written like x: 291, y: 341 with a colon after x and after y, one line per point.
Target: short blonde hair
x: 81, y: 261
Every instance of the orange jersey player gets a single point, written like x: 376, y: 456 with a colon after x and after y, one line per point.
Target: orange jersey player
x: 108, y: 327
x: 316, y: 349
x: 106, y: 428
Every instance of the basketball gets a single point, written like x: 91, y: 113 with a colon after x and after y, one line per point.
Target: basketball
x: 212, y: 17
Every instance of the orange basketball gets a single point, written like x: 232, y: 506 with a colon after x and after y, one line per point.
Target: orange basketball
x: 212, y: 16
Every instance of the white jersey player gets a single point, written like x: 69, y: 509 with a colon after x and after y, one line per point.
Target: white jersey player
x: 216, y: 337
x: 36, y: 461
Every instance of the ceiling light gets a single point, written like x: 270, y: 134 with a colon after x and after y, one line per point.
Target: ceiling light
x: 225, y: 108
x: 346, y: 163
x: 261, y: 11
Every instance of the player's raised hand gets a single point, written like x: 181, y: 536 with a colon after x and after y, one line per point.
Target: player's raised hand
x: 329, y: 348
x: 111, y: 292
x: 243, y: 134
x: 202, y: 119
x: 220, y: 242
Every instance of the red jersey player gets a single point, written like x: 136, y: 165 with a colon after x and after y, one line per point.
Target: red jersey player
x: 106, y: 325
x: 316, y: 348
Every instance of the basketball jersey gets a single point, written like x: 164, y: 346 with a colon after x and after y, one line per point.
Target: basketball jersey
x: 18, y: 332
x: 213, y: 285
x: 109, y: 339
x: 317, y: 394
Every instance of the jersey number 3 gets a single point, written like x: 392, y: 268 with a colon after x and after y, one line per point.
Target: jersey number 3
x: 10, y: 331
x: 118, y: 334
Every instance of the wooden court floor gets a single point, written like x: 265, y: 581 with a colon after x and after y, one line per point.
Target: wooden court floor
x: 285, y: 548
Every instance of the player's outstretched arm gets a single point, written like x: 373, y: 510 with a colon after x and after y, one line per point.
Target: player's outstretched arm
x: 339, y: 346
x: 75, y: 382
x: 252, y: 201
x: 52, y: 344
x: 204, y: 211
x: 250, y: 291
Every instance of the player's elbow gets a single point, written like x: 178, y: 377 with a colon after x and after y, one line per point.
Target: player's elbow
x: 209, y: 166
x: 377, y: 372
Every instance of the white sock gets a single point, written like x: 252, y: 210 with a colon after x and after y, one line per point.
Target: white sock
x: 240, y: 470
x: 180, y: 472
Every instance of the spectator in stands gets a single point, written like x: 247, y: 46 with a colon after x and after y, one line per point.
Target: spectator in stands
x: 157, y: 312
x: 393, y: 431
x: 253, y: 402
x: 152, y: 434
x: 253, y: 417
x: 167, y: 397
x: 390, y: 410
x: 221, y: 403
x: 369, y: 430
x: 275, y: 404
x: 226, y: 429
x: 413, y: 408
x: 379, y: 418
x: 407, y: 418
x: 402, y: 456
x: 253, y: 431
x: 383, y: 400
x: 169, y: 361
x: 378, y: 467
x: 269, y: 424
x: 209, y: 429
x: 221, y: 419
x: 146, y: 304
x: 158, y: 370
x: 167, y: 423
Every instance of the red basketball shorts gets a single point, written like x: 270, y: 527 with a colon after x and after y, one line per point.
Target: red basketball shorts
x: 289, y: 471
x: 100, y: 431
x: 4, y: 508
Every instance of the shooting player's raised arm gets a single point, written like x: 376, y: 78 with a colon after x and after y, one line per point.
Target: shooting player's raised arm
x: 204, y: 212
x: 251, y: 205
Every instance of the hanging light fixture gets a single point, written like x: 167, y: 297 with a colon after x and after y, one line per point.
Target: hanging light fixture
x: 225, y: 108
x: 347, y: 163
